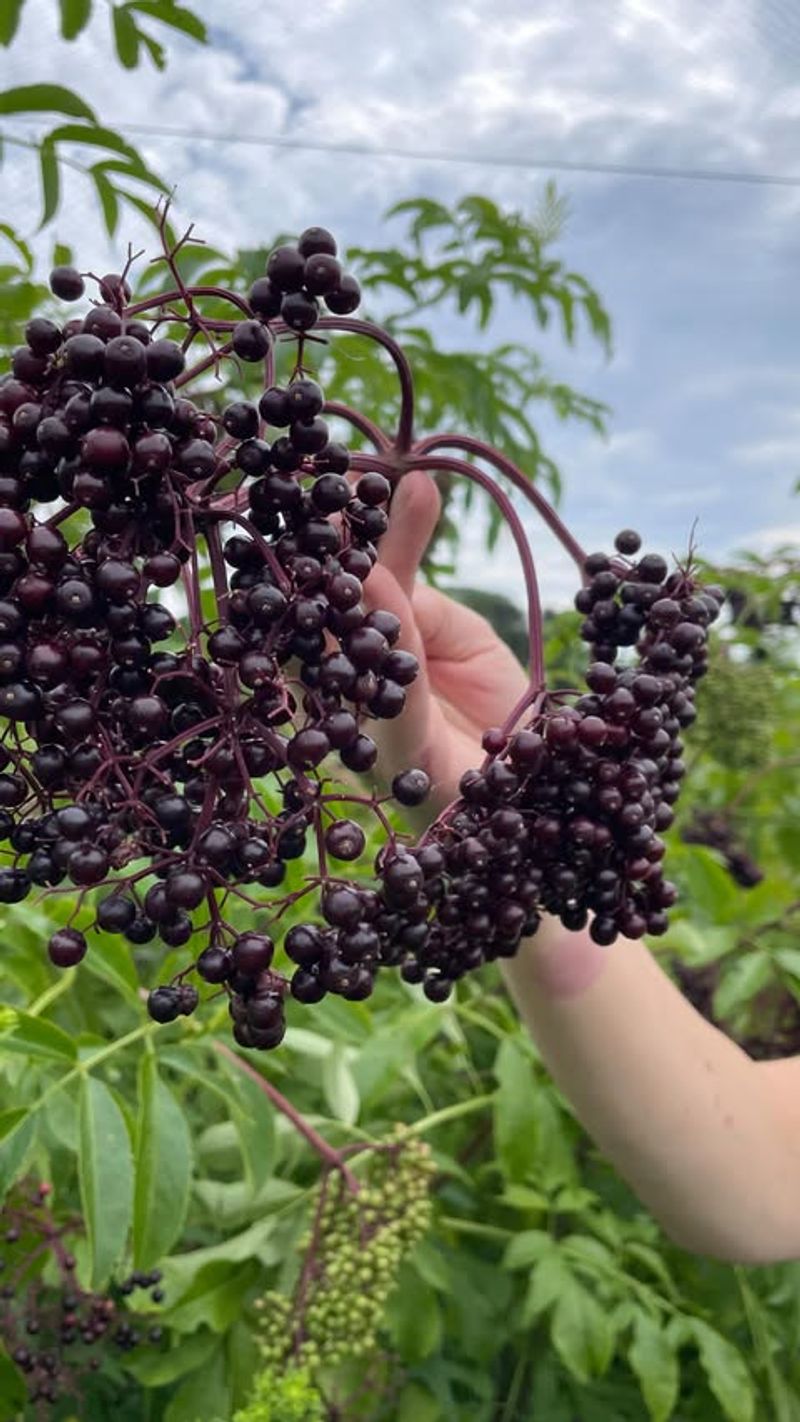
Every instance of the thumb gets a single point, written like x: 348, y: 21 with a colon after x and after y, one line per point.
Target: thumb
x: 413, y: 516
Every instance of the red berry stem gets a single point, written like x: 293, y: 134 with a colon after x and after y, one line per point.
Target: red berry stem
x: 332, y: 1157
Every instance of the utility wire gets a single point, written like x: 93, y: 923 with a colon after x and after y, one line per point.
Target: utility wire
x: 486, y: 160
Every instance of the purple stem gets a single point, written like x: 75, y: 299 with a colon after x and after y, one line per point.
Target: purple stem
x: 518, y: 479
x: 470, y: 471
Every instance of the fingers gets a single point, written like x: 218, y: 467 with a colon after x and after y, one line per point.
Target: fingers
x: 414, y: 514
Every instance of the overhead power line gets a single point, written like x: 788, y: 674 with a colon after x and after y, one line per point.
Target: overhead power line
x: 487, y: 160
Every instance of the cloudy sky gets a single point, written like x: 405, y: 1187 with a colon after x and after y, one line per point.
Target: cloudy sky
x: 700, y: 275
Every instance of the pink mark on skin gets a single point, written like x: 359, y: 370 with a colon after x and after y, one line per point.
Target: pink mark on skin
x: 568, y: 964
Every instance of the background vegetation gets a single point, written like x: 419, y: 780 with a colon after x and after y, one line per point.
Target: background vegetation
x: 541, y: 1289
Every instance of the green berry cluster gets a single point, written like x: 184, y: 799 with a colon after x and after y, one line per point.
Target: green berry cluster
x: 286, y: 1397
x: 353, y: 1253
x: 740, y: 695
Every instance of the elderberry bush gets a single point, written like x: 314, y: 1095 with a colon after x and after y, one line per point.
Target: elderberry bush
x: 57, y: 1333
x: 163, y: 755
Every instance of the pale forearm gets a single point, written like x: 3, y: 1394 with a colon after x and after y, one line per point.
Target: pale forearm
x: 677, y: 1107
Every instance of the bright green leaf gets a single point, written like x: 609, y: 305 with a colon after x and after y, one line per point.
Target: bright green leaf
x: 108, y: 199
x: 163, y: 1169
x: 105, y: 1171
x: 582, y: 1332
x: 37, y: 1037
x: 111, y: 959
x: 515, y: 1115
x: 549, y: 1280
x: 44, y: 98
x: 75, y: 15
x: 654, y: 1360
x: 338, y: 1084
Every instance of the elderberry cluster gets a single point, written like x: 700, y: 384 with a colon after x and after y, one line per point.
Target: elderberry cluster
x: 566, y: 814
x: 353, y: 1253
x: 55, y: 1333
x: 189, y: 750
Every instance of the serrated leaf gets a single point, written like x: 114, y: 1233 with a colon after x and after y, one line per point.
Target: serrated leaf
x: 126, y: 36
x: 582, y: 1332
x: 339, y: 1086
x: 75, y: 15
x: 10, y: 15
x: 163, y: 1168
x: 105, y: 1172
x: 728, y: 1375
x: 51, y: 182
x: 44, y: 98
x: 515, y: 1114
x: 654, y: 1360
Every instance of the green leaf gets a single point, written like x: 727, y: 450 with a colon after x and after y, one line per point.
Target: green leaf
x: 549, y: 1280
x: 38, y: 1038
x: 177, y: 16
x: 654, y: 1360
x: 742, y: 980
x: 126, y: 36
x: 97, y: 136
x: 157, y: 52
x: 19, y: 245
x: 413, y: 1317
x: 163, y: 1169
x: 204, y: 1394
x: 528, y: 1247
x: 75, y: 16
x: 338, y: 1084
x: 254, y: 1120
x: 156, y: 1369
x: 10, y: 14
x: 582, y: 1332
x: 515, y: 1115
x: 44, y: 98
x: 392, y: 1048
x: 105, y: 1172
x: 13, y: 1392
x: 111, y: 959
x: 416, y: 1404
x: 62, y: 255
x: 51, y: 182
x: 215, y: 1297
x: 727, y: 1373
x: 17, y: 1132
x: 108, y: 199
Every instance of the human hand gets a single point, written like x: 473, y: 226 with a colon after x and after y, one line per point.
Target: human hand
x: 468, y: 679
